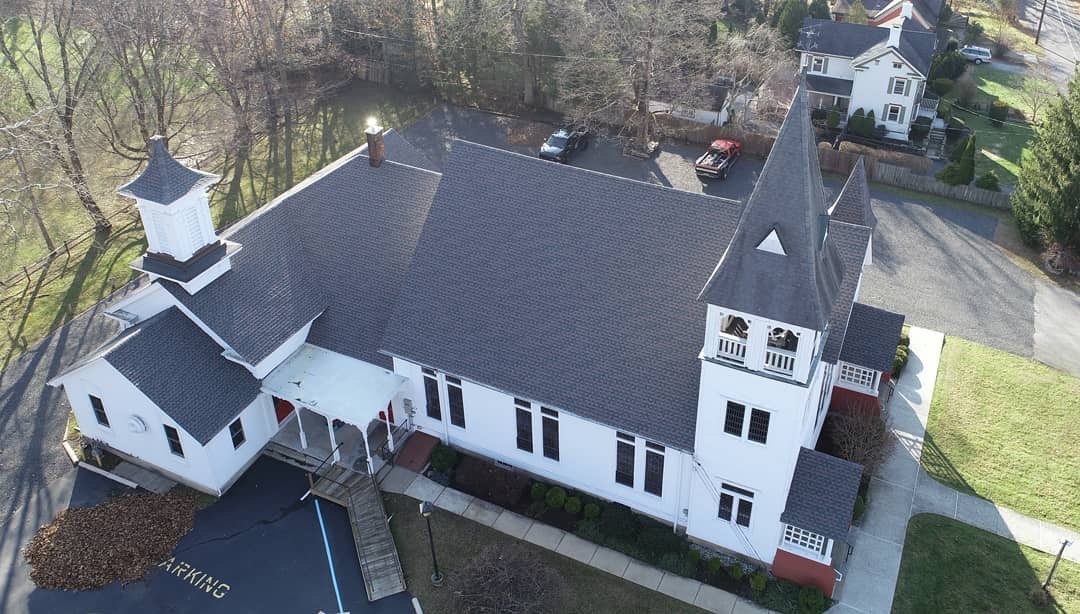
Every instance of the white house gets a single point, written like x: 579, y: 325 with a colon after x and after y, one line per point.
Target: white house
x: 666, y: 350
x: 880, y: 69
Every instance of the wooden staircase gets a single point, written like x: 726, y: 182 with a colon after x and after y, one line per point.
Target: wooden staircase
x: 358, y: 493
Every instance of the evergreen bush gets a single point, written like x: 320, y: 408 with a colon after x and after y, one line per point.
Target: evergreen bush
x: 443, y: 458
x: 555, y: 497
x: 538, y: 491
x: 591, y: 511
x: 999, y: 111
x: 758, y: 580
x: 572, y: 506
x: 736, y: 571
x: 988, y: 181
x: 811, y: 600
x: 942, y: 86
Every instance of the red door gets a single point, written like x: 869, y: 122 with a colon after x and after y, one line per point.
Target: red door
x: 389, y: 408
x: 283, y: 409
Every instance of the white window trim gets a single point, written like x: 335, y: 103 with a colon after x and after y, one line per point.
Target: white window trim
x: 748, y: 410
x: 814, y: 59
x: 806, y: 552
x: 902, y: 83
x: 898, y: 108
x: 736, y: 497
x: 856, y: 384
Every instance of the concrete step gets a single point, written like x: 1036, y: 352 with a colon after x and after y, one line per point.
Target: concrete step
x: 145, y: 478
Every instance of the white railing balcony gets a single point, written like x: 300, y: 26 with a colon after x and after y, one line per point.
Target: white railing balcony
x: 779, y: 361
x: 732, y: 348
x: 928, y: 106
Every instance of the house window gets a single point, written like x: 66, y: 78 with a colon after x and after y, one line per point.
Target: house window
x: 99, y: 411
x: 551, y: 432
x: 759, y: 426
x: 173, y: 437
x: 524, y: 425
x: 236, y: 431
x: 894, y: 113
x: 431, y: 391
x: 654, y: 468
x: 457, y: 401
x: 817, y: 64
x: 899, y: 86
x: 864, y: 378
x: 624, y: 459
x: 733, y: 421
x: 804, y: 539
x: 897, y: 65
x: 736, y: 504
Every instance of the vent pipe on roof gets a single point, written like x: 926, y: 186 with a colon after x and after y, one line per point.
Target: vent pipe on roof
x: 376, y: 147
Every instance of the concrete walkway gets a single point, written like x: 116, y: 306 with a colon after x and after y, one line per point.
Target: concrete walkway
x: 902, y: 489
x: 403, y: 481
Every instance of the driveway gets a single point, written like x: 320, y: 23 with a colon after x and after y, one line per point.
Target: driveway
x: 258, y: 549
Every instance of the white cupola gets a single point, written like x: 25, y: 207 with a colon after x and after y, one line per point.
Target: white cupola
x: 174, y: 206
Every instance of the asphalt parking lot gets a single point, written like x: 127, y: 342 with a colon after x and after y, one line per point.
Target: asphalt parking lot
x: 258, y: 549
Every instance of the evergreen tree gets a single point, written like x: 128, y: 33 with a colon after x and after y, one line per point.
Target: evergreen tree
x: 966, y: 173
x: 1047, y: 199
x: 857, y: 14
x: 820, y: 9
x: 789, y: 19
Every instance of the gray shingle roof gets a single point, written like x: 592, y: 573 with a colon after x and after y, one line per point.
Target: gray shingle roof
x: 852, y: 40
x: 567, y: 286
x: 853, y: 203
x: 822, y: 495
x: 851, y: 244
x: 164, y: 179
x: 339, y: 244
x: 402, y: 151
x: 799, y: 287
x: 872, y: 335
x: 829, y: 85
x: 182, y: 371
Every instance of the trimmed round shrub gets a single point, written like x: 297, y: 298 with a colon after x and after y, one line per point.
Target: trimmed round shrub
x: 538, y: 491
x: 536, y: 509
x: 988, y: 181
x: 998, y: 112
x: 811, y: 600
x: 905, y: 339
x: 572, y: 506
x: 860, y: 509
x: 736, y: 571
x: 899, y: 361
x: 693, y: 557
x: 942, y: 86
x: 555, y: 497
x: 758, y: 580
x: 591, y: 511
x: 832, y: 120
x: 658, y: 541
x: 443, y: 458
x: 618, y: 521
x: 1039, y: 597
x: 714, y: 565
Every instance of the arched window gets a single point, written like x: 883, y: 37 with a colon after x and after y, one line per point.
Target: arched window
x: 783, y: 339
x: 735, y: 326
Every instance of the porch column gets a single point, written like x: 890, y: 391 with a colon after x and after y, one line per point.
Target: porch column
x: 300, y: 423
x: 367, y: 451
x: 333, y: 440
x: 389, y: 431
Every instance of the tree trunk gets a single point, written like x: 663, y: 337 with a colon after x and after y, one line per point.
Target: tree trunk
x: 34, y: 209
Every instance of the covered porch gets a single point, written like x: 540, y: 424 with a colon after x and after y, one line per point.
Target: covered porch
x: 335, y: 408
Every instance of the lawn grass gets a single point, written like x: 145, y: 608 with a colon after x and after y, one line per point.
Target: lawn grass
x: 1005, y: 428
x: 458, y: 540
x: 1023, y: 38
x: 949, y: 566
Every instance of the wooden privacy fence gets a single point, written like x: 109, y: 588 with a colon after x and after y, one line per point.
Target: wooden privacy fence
x: 904, y: 178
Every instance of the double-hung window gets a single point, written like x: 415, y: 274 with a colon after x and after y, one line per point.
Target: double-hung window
x: 99, y: 411
x: 624, y: 459
x: 735, y: 423
x: 523, y: 409
x: 431, y: 392
x: 894, y: 113
x: 899, y: 86
x: 733, y: 420
x: 173, y: 437
x: 736, y: 504
x: 759, y: 426
x: 817, y: 64
x: 456, y: 400
x: 550, y: 419
x: 654, y: 468
x: 236, y: 432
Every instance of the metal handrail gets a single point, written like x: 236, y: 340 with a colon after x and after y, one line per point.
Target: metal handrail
x: 315, y: 471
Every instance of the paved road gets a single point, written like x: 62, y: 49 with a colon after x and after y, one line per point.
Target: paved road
x: 1060, y: 38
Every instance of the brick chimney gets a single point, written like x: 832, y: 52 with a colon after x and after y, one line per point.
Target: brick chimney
x: 894, y: 37
x: 376, y: 147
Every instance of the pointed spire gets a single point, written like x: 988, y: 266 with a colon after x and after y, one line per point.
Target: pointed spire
x: 853, y: 203
x: 164, y: 180
x: 799, y: 286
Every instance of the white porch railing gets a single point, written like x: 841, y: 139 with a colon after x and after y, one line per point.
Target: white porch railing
x: 732, y: 348
x: 779, y: 361
x: 928, y: 106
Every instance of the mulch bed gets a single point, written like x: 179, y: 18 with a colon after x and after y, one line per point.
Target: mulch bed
x: 119, y: 540
x: 490, y: 482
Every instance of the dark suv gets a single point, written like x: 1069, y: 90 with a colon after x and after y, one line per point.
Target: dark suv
x: 564, y: 142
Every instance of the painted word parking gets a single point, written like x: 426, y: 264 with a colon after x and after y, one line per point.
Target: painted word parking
x: 196, y: 577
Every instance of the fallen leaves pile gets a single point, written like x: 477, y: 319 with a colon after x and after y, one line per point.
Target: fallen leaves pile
x: 119, y: 540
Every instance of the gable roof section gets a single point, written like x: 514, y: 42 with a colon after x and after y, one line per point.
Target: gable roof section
x: 338, y: 244
x: 182, y: 371
x: 566, y: 286
x: 872, y: 335
x: 851, y: 242
x: 822, y: 495
x: 853, y: 203
x: 797, y: 288
x: 403, y: 152
x: 164, y: 180
x: 852, y: 40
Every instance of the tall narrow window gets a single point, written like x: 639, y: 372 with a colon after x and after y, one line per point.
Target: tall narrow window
x: 236, y: 431
x: 727, y: 503
x: 173, y: 437
x: 736, y: 504
x: 551, y: 432
x: 654, y: 468
x: 759, y: 426
x: 456, y: 400
x: 733, y: 421
x: 624, y: 460
x: 99, y: 411
x: 743, y: 515
x: 431, y: 391
x: 524, y: 425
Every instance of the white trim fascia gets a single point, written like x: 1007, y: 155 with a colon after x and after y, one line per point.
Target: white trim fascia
x: 861, y: 60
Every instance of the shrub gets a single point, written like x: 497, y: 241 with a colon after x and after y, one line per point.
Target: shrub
x: 736, y: 571
x: 811, y: 600
x: 443, y: 458
x: 975, y: 31
x: 1039, y: 597
x: 966, y: 89
x: 714, y: 565
x: 948, y: 65
x: 536, y: 509
x: 999, y: 111
x: 861, y: 437
x: 693, y: 559
x: 676, y: 563
x: 538, y: 491
x: 618, y: 521
x: 589, y: 530
x: 758, y: 580
x: 572, y: 505
x: 905, y: 339
x: 660, y: 540
x: 860, y: 509
x: 832, y: 119
x: 555, y: 497
x: 920, y: 128
x: 963, y: 171
x: 899, y: 361
x: 591, y: 511
x: 988, y: 181
x: 818, y: 114
x: 941, y: 86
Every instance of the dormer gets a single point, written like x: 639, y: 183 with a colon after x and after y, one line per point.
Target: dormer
x: 174, y: 207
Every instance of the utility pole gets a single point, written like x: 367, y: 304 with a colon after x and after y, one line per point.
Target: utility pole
x: 1050, y: 576
x: 1038, y: 31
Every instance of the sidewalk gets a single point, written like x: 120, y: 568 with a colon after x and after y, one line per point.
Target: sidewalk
x: 902, y: 489
x: 403, y: 481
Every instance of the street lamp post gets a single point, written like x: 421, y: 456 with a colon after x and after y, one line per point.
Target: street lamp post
x: 425, y: 511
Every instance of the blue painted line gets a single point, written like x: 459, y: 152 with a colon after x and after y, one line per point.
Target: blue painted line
x: 329, y: 561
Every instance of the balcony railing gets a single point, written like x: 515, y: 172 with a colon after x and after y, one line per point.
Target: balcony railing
x: 779, y: 361
x: 928, y: 106
x: 732, y: 348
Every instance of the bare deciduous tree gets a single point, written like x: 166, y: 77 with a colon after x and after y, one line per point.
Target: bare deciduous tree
x: 19, y: 148
x: 509, y: 580
x: 757, y: 64
x: 1037, y: 89
x: 861, y: 435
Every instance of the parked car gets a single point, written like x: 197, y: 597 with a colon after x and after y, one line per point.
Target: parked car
x: 718, y: 159
x: 564, y: 142
x: 976, y: 54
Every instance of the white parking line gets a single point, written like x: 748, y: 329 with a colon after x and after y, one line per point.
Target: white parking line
x: 329, y: 560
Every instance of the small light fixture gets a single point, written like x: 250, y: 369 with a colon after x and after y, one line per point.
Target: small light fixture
x: 425, y: 510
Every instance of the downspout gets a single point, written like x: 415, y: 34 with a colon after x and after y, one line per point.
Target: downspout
x: 679, y: 493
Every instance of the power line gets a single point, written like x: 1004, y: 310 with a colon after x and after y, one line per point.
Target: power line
x: 1029, y: 127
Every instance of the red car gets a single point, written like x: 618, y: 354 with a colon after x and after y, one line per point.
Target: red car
x: 716, y: 161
